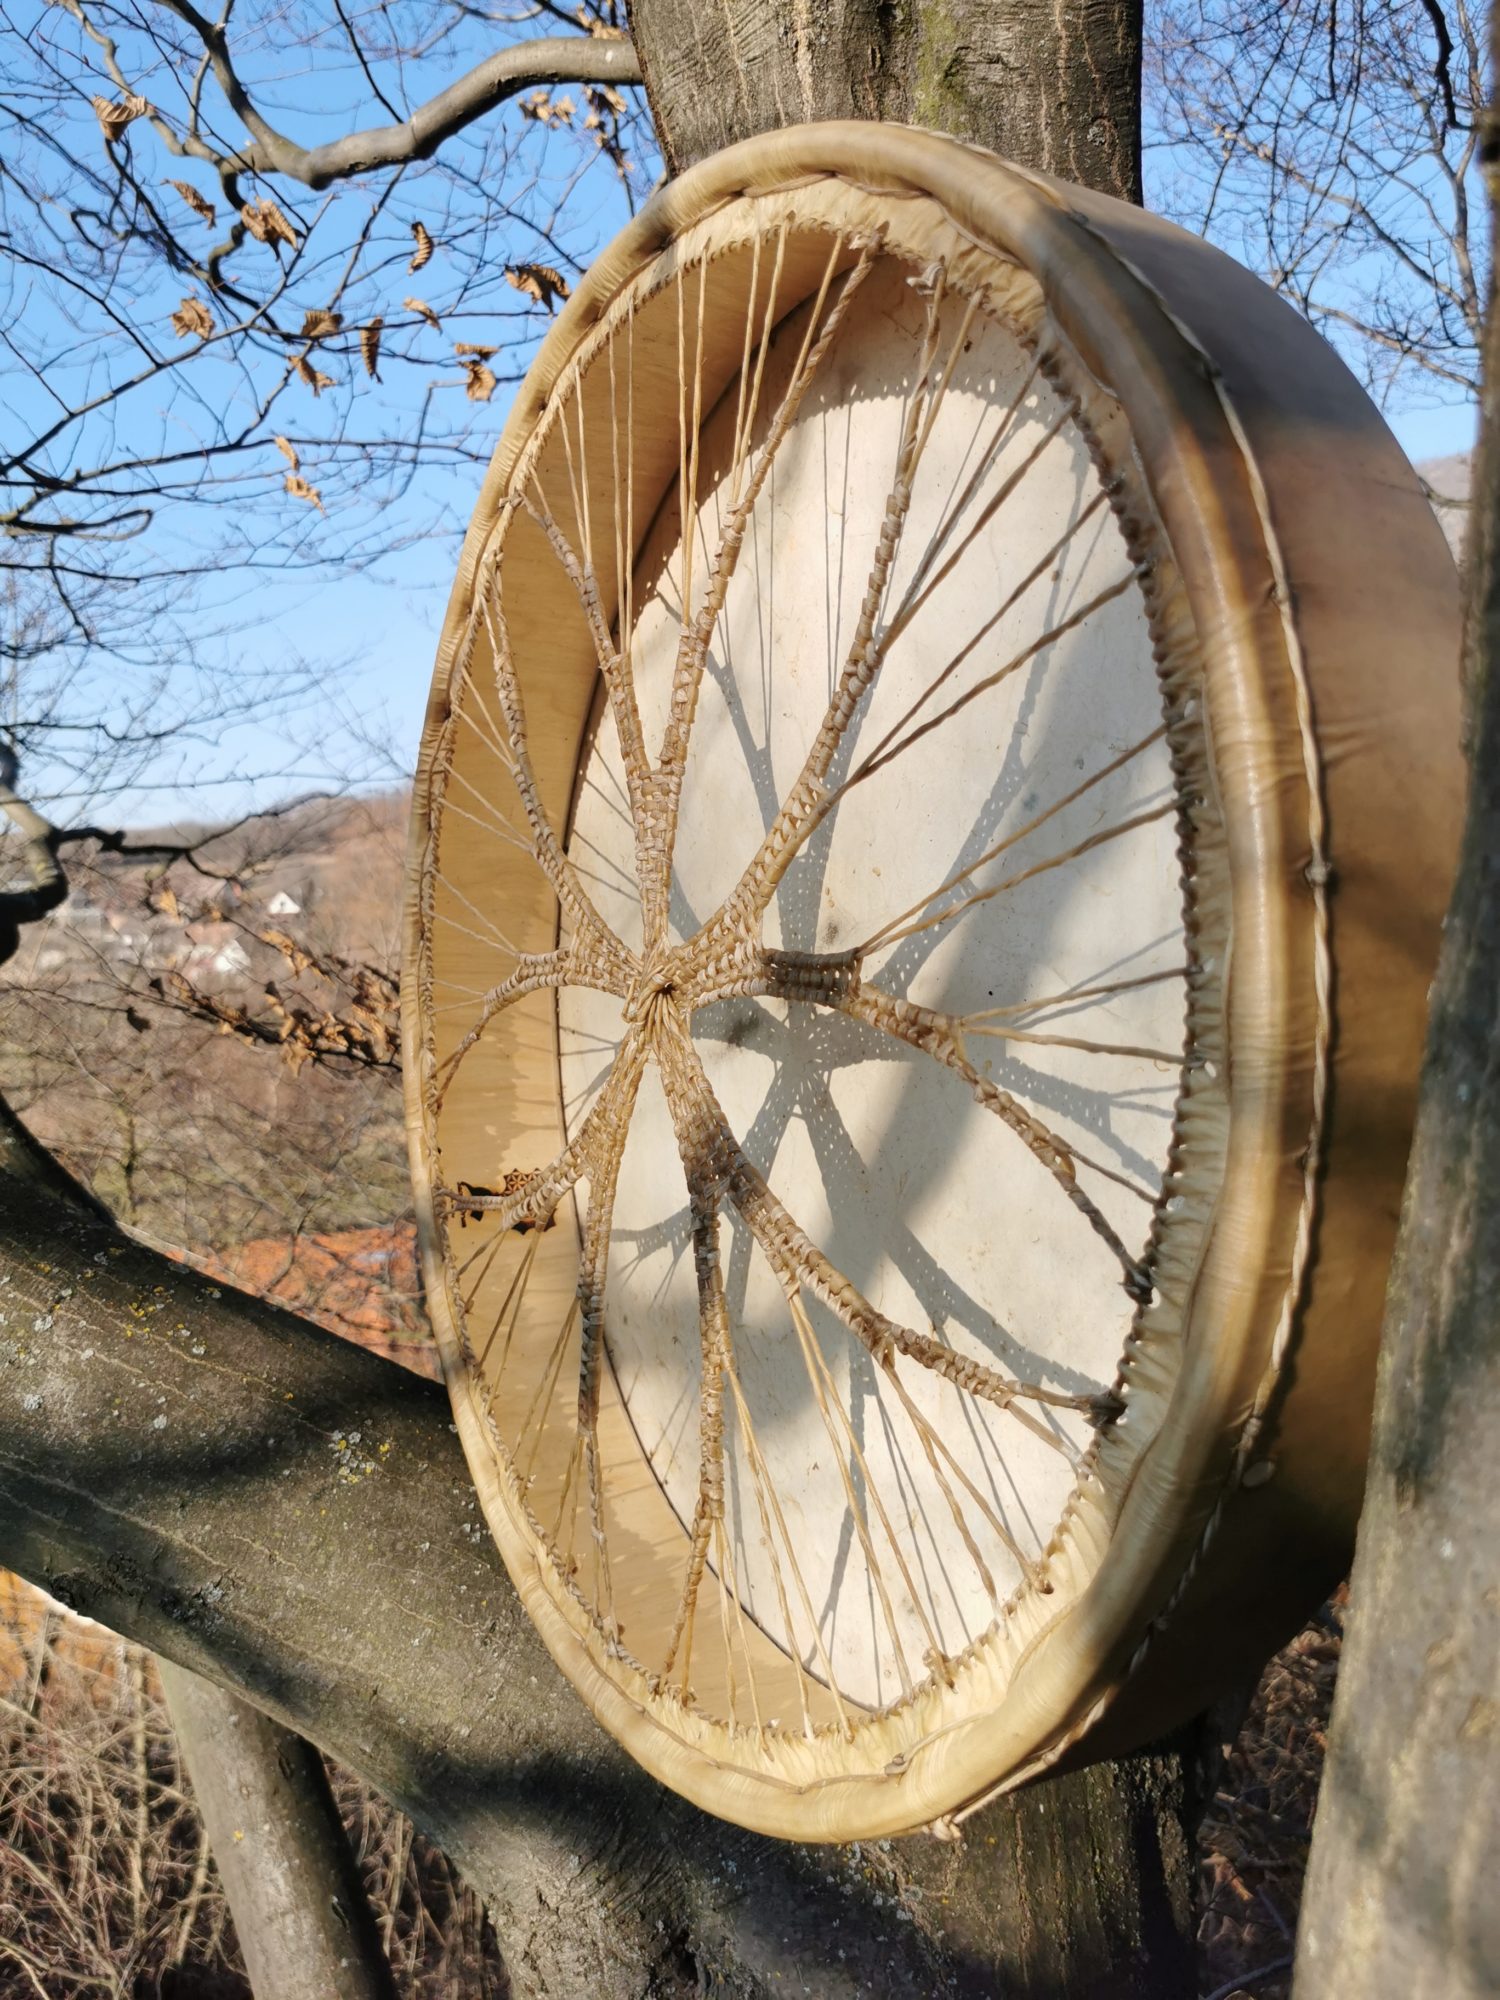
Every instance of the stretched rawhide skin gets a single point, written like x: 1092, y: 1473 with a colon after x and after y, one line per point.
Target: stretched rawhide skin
x: 938, y: 798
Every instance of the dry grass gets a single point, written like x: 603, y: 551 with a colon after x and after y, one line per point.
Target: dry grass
x: 106, y: 1883
x: 1254, y: 1840
x: 107, y: 1887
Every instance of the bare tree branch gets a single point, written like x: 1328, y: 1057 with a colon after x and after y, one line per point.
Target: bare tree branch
x: 553, y: 59
x: 1443, y: 61
x: 1333, y: 148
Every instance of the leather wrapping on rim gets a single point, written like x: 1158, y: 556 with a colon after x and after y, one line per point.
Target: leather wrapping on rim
x: 1323, y: 604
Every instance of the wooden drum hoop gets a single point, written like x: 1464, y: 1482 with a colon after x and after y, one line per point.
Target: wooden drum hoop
x: 1102, y: 577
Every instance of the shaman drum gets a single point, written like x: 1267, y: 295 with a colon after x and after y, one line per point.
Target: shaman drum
x: 938, y: 796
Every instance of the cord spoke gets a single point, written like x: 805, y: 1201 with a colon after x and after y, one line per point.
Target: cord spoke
x: 555, y: 865
x: 613, y: 663
x: 937, y: 1499
x: 803, y: 808
x: 531, y: 1201
x: 587, y: 961
x: 708, y: 1514
x: 889, y: 931
x: 610, y: 1123
x: 705, y: 1134
x: 698, y: 631
x: 895, y: 932
x: 940, y: 1036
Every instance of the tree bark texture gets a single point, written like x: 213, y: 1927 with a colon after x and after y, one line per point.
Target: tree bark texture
x: 292, y: 1518
x: 1400, y: 1901
x: 1050, y: 84
x: 304, y: 1925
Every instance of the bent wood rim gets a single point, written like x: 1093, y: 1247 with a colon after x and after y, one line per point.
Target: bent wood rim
x: 1204, y: 1417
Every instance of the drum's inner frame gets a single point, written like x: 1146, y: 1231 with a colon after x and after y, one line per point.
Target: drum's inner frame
x: 533, y: 1250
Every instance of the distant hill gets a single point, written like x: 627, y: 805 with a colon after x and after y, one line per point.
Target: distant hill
x: 1448, y: 481
x: 288, y: 1174
x: 329, y: 870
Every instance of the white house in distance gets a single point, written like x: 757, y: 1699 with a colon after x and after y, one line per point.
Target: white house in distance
x: 214, y: 948
x: 231, y: 957
x: 282, y: 905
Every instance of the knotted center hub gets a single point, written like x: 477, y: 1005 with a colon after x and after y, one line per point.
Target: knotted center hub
x: 651, y: 994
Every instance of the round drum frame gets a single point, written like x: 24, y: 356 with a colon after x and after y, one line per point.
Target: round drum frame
x: 1297, y: 586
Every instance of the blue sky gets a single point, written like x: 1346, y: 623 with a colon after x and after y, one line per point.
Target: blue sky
x: 392, y: 621
x: 354, y: 643
x: 319, y: 619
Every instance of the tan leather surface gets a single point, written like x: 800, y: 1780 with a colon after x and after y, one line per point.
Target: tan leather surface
x: 1301, y: 568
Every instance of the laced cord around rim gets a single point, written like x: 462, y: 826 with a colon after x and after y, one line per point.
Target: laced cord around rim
x: 663, y: 984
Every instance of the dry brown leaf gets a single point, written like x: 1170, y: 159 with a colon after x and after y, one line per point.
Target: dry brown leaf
x: 320, y: 323
x: 539, y: 282
x: 267, y: 224
x: 298, y: 959
x: 472, y: 347
x: 288, y: 452
x: 315, y: 379
x: 422, y: 307
x: 299, y: 489
x: 480, y: 383
x: 547, y: 110
x: 369, y: 347
x: 425, y: 247
x: 198, y: 203
x: 115, y: 113
x: 165, y: 900
x: 192, y: 317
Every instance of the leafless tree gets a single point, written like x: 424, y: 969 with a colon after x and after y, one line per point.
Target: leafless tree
x: 263, y: 273
x: 1334, y: 149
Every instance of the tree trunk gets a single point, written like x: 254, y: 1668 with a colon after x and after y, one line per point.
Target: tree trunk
x: 1050, y: 84
x: 299, y: 1908
x: 1054, y: 85
x: 1400, y: 1901
x: 292, y: 1518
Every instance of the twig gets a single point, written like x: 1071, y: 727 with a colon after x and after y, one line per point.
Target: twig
x: 1244, y: 1979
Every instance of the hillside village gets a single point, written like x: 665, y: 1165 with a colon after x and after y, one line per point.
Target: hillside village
x: 206, y: 943
x: 267, y: 1152
x: 329, y: 869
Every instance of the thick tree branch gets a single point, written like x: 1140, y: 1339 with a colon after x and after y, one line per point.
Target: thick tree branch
x: 552, y: 59
x: 48, y: 884
x: 292, y: 1518
x: 303, y: 1922
x: 288, y: 1870
x: 1442, y: 66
